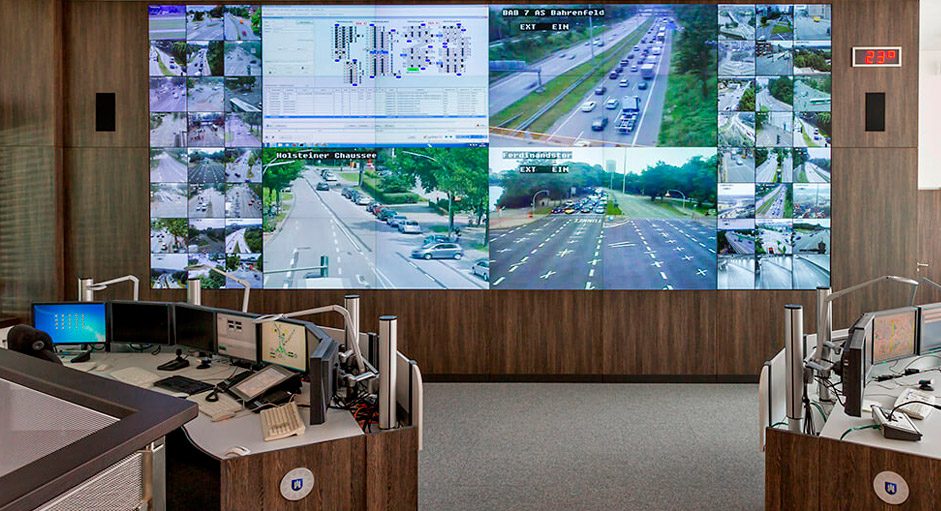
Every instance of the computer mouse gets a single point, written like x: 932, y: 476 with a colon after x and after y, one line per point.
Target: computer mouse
x: 102, y: 367
x: 236, y: 451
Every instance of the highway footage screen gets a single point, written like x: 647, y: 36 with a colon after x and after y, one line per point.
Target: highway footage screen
x: 608, y: 146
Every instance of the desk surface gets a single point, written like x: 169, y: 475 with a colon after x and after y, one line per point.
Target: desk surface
x: 885, y: 393
x: 215, y: 438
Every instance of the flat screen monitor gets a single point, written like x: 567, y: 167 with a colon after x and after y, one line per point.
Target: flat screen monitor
x: 237, y: 336
x: 72, y: 322
x: 894, y: 333
x: 141, y: 323
x: 194, y: 327
x: 284, y: 343
x: 324, y: 353
x: 929, y: 328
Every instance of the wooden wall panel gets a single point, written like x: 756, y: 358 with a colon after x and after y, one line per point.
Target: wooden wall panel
x: 29, y: 90
x: 929, y: 243
x: 875, y: 214
x: 110, y: 55
x: 655, y: 333
x: 872, y: 23
x: 392, y: 470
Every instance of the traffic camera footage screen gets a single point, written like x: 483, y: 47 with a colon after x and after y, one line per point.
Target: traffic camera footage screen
x: 608, y: 146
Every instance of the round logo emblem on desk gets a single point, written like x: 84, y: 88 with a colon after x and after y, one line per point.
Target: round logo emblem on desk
x: 297, y: 483
x: 890, y: 487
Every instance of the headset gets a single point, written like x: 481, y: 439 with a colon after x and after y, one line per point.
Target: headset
x: 29, y: 341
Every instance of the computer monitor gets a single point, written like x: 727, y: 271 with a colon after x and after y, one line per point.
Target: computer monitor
x: 894, y: 334
x: 929, y: 328
x: 74, y: 323
x: 323, y: 365
x: 237, y: 336
x: 194, y: 327
x: 284, y: 343
x: 855, y: 365
x: 141, y: 323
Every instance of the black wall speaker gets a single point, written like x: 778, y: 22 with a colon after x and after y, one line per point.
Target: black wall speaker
x: 875, y: 111
x: 104, y: 111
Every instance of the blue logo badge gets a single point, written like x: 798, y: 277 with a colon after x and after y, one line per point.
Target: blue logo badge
x: 297, y: 484
x: 891, y: 488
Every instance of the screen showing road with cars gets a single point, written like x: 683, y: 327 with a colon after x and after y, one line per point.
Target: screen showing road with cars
x: 608, y: 146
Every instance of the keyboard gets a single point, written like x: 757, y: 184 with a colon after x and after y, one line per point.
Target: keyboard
x: 281, y: 422
x: 916, y: 410
x: 183, y: 384
x: 224, y: 408
x: 135, y: 376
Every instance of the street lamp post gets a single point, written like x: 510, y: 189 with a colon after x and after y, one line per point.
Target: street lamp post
x: 679, y: 192
x: 532, y: 211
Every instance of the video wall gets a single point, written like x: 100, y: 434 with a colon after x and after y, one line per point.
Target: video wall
x: 614, y: 146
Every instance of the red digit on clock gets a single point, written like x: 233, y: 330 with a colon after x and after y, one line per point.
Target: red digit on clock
x: 869, y: 56
x: 880, y: 57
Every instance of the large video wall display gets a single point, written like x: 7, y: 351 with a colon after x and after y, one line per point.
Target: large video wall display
x: 615, y: 146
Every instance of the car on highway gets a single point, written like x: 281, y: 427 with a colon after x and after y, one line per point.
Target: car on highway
x: 630, y: 57
x: 642, y: 86
x: 330, y: 176
x: 612, y: 104
x: 613, y: 75
x: 409, y: 227
x: 354, y: 194
x: 636, y: 47
x: 599, y: 210
x: 393, y: 221
x: 363, y: 199
x: 556, y: 210
x: 481, y: 268
x: 624, y: 83
x: 323, y: 186
x: 386, y: 214
x: 599, y: 124
x: 569, y: 210
x: 634, y: 68
x: 600, y: 90
x: 572, y: 57
x: 582, y: 143
x: 586, y: 209
x: 588, y: 106
x: 439, y: 251
x: 346, y: 191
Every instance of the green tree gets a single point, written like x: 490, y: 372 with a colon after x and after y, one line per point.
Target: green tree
x: 782, y: 89
x: 747, y: 102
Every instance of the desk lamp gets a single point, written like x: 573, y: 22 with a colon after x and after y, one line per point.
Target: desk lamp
x: 194, y: 286
x: 87, y: 287
x: 821, y: 361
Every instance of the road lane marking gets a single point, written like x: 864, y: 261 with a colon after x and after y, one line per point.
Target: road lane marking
x: 664, y: 275
x: 498, y: 281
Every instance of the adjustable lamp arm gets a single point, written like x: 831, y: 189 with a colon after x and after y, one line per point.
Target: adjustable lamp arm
x: 100, y: 286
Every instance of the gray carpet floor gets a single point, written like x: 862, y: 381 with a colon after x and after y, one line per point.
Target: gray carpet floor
x: 549, y: 446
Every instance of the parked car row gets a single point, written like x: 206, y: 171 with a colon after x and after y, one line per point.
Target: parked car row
x: 595, y: 203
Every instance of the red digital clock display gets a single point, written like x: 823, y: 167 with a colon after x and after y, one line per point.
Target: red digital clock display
x: 889, y: 56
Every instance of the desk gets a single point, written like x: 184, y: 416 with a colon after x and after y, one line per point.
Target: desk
x: 352, y: 470
x: 826, y: 473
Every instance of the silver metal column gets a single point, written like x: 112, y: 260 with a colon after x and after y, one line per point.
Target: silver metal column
x: 351, y: 304
x: 794, y: 365
x: 387, y: 354
x: 194, y: 291
x: 824, y: 331
x: 85, y: 294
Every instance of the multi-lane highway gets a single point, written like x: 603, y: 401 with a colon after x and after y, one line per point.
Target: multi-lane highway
x: 809, y: 241
x: 207, y: 202
x: 514, y: 86
x: 809, y: 99
x: 170, y: 130
x: 209, y: 29
x: 812, y: 173
x: 736, y: 58
x: 206, y: 95
x: 238, y: 133
x: 736, y: 272
x: 235, y: 242
x: 162, y: 64
x: 238, y: 28
x: 776, y: 130
x: 772, y: 204
x: 243, y: 99
x: 239, y: 61
x: 811, y: 271
x: 736, y: 130
x: 206, y: 170
x: 198, y: 63
x: 162, y: 242
x: 736, y: 168
x: 774, y: 272
x: 806, y: 134
x: 242, y: 201
x: 774, y: 237
x: 730, y: 96
x: 774, y: 171
x: 166, y: 278
x: 736, y: 201
x: 767, y: 102
x: 740, y: 244
x: 577, y: 124
x: 168, y: 201
x: 362, y: 251
x: 238, y: 170
x: 209, y: 236
x: 206, y: 134
x: 167, y: 95
x: 168, y: 166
